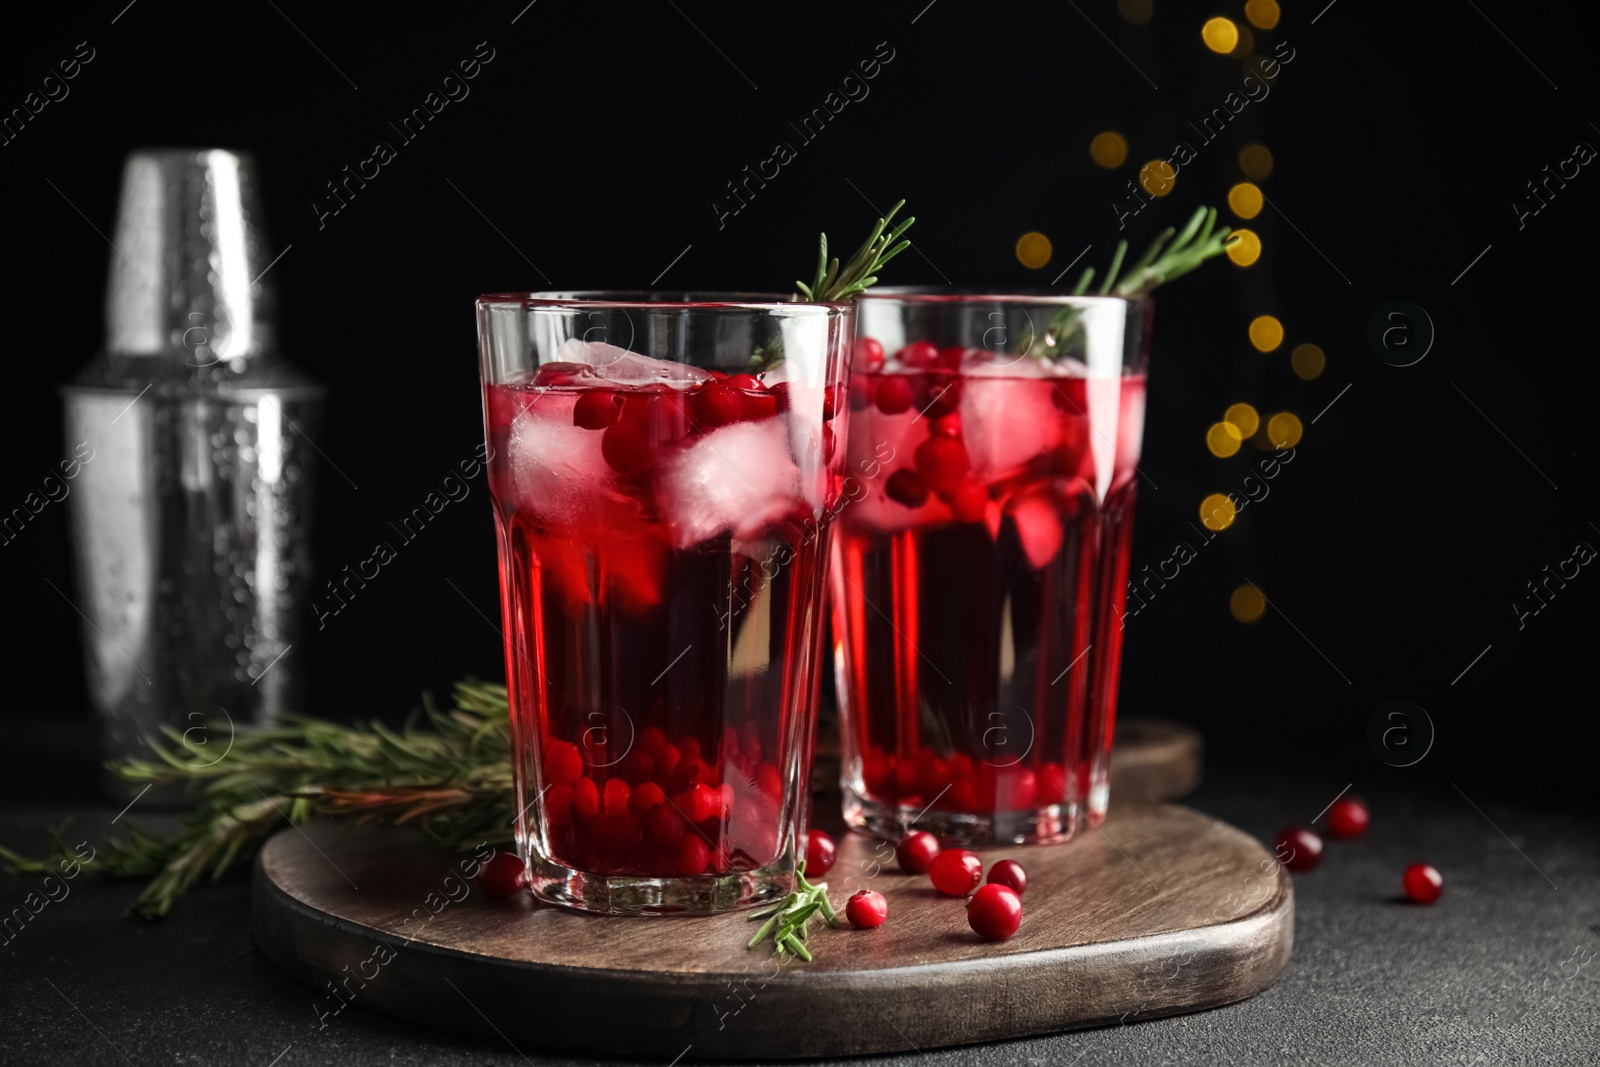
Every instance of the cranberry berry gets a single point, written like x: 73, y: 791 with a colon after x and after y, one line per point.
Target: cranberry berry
x: 942, y: 463
x: 1298, y: 849
x: 869, y: 354
x: 503, y: 875
x: 1009, y: 873
x: 906, y: 487
x: 917, y: 852
x: 893, y: 395
x: 596, y: 409
x: 866, y: 909
x: 1423, y: 883
x: 1347, y: 818
x: 956, y: 872
x: 820, y: 854
x: 715, y: 404
x: 918, y: 354
x: 994, y: 912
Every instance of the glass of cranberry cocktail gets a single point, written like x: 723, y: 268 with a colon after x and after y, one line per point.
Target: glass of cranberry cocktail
x: 978, y: 581
x: 656, y: 465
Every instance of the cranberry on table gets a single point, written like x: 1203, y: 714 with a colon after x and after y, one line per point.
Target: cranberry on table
x: 503, y: 875
x: 1009, y: 873
x: 820, y: 854
x: 956, y: 872
x: 917, y: 852
x: 1347, y: 817
x: 1298, y: 849
x: 866, y: 909
x: 994, y: 912
x: 1423, y: 883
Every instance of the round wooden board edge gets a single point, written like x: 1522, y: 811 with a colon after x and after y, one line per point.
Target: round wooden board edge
x: 1133, y: 980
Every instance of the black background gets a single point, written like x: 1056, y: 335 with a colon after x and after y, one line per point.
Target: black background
x: 596, y: 140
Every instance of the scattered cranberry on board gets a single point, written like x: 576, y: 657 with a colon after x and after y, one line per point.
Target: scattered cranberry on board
x: 1298, y: 849
x: 956, y: 872
x: 503, y: 875
x: 1009, y: 873
x: 1423, y: 883
x: 917, y: 852
x: 1347, y: 817
x: 866, y: 909
x: 994, y: 912
x: 820, y: 854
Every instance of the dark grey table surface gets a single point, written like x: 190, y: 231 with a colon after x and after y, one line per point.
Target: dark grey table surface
x: 1502, y: 970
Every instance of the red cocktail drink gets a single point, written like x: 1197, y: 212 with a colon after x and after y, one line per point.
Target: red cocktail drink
x: 977, y: 585
x: 661, y: 586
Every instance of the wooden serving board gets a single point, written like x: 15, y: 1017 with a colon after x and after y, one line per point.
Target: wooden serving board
x: 1161, y: 911
x: 1154, y: 760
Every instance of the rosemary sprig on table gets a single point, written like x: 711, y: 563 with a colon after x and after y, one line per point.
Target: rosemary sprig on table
x: 1161, y: 262
x: 835, y: 285
x: 786, y: 921
x: 451, y: 778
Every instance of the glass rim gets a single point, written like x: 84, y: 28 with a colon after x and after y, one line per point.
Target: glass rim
x: 649, y: 300
x: 935, y: 294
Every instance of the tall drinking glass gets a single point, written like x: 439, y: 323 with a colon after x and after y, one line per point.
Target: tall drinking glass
x: 978, y: 576
x: 657, y: 464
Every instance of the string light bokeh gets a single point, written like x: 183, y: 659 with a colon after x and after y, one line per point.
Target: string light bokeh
x: 1221, y: 38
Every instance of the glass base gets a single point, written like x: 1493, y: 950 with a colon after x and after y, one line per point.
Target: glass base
x: 611, y: 894
x: 1098, y: 799
x: 1048, y: 825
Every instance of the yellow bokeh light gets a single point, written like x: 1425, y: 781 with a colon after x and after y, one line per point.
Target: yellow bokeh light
x: 1245, y: 249
x: 1256, y: 162
x: 1307, y: 361
x: 1220, y: 34
x: 1263, y: 14
x: 1247, y: 604
x: 1033, y: 250
x: 1217, y: 512
x: 1137, y: 12
x: 1284, y: 430
x: 1242, y: 417
x: 1246, y: 44
x: 1266, y: 333
x: 1223, y: 439
x: 1158, y: 177
x: 1108, y: 149
x: 1244, y: 200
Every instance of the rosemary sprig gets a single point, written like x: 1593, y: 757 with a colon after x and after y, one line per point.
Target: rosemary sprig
x: 446, y: 772
x: 835, y: 285
x: 786, y: 921
x: 1160, y: 262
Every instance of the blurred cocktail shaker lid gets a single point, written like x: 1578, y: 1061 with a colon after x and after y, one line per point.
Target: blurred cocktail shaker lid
x: 186, y: 297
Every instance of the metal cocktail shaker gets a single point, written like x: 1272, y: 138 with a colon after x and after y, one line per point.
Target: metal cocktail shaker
x: 190, y: 516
